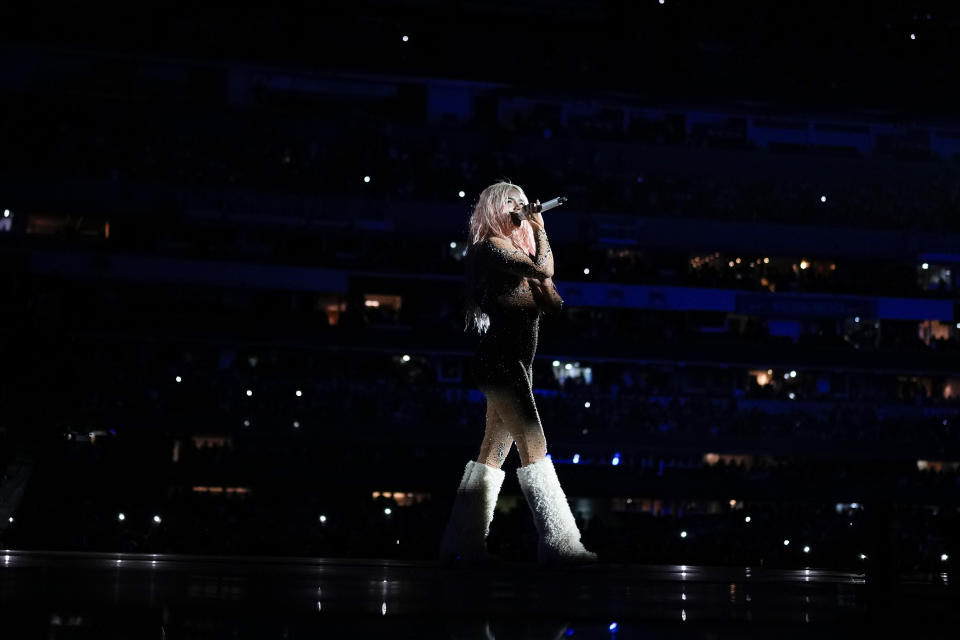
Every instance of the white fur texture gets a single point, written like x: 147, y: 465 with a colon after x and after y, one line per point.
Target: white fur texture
x: 559, y: 537
x: 466, y: 533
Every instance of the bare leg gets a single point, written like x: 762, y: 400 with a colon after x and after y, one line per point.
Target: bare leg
x: 516, y: 408
x: 496, y: 439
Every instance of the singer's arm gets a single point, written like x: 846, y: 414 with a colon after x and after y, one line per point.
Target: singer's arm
x: 545, y: 293
x: 507, y: 257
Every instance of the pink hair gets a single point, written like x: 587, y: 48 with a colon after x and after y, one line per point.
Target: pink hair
x: 489, y: 219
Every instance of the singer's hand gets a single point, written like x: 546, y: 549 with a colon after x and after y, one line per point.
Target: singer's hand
x: 533, y: 214
x: 545, y: 294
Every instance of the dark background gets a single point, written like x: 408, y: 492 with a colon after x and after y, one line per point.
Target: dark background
x: 757, y: 260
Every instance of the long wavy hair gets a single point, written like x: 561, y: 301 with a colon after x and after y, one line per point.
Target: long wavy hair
x: 489, y: 219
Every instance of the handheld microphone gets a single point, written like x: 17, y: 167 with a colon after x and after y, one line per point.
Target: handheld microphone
x: 546, y: 206
x: 552, y: 204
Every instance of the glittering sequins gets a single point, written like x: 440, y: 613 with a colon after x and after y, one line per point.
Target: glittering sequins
x: 506, y: 351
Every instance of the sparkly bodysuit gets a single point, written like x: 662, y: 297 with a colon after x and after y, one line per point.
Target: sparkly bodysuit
x: 504, y: 357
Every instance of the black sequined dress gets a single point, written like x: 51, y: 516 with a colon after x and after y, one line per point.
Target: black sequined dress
x: 504, y: 357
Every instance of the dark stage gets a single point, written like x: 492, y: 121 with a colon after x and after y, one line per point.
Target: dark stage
x: 70, y: 595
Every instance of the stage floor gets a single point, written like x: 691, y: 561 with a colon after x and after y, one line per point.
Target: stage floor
x: 73, y: 595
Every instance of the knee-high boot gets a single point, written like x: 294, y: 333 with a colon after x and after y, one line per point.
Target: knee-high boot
x: 464, y: 539
x: 559, y: 537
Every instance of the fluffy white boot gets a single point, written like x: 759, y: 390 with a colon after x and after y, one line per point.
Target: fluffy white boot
x: 465, y: 537
x: 559, y: 537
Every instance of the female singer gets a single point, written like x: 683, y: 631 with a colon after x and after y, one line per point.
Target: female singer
x: 509, y: 282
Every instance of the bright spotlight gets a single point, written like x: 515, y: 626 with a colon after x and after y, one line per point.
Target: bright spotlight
x: 925, y: 265
x: 405, y: 358
x: 296, y: 424
x: 366, y: 178
x: 156, y: 519
x: 120, y: 516
x: 793, y: 374
x: 683, y: 534
x: 179, y: 379
x: 249, y: 392
x: 387, y: 511
x: 913, y: 36
x: 786, y: 543
x: 576, y: 458
x: 586, y: 405
x: 323, y: 518
x: 747, y: 519
x: 823, y: 198
x: 944, y: 557
x: 462, y: 194
x: 299, y: 393
x: 406, y: 38
x: 586, y: 272
x: 246, y: 423
x: 556, y: 363
x: 806, y: 549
